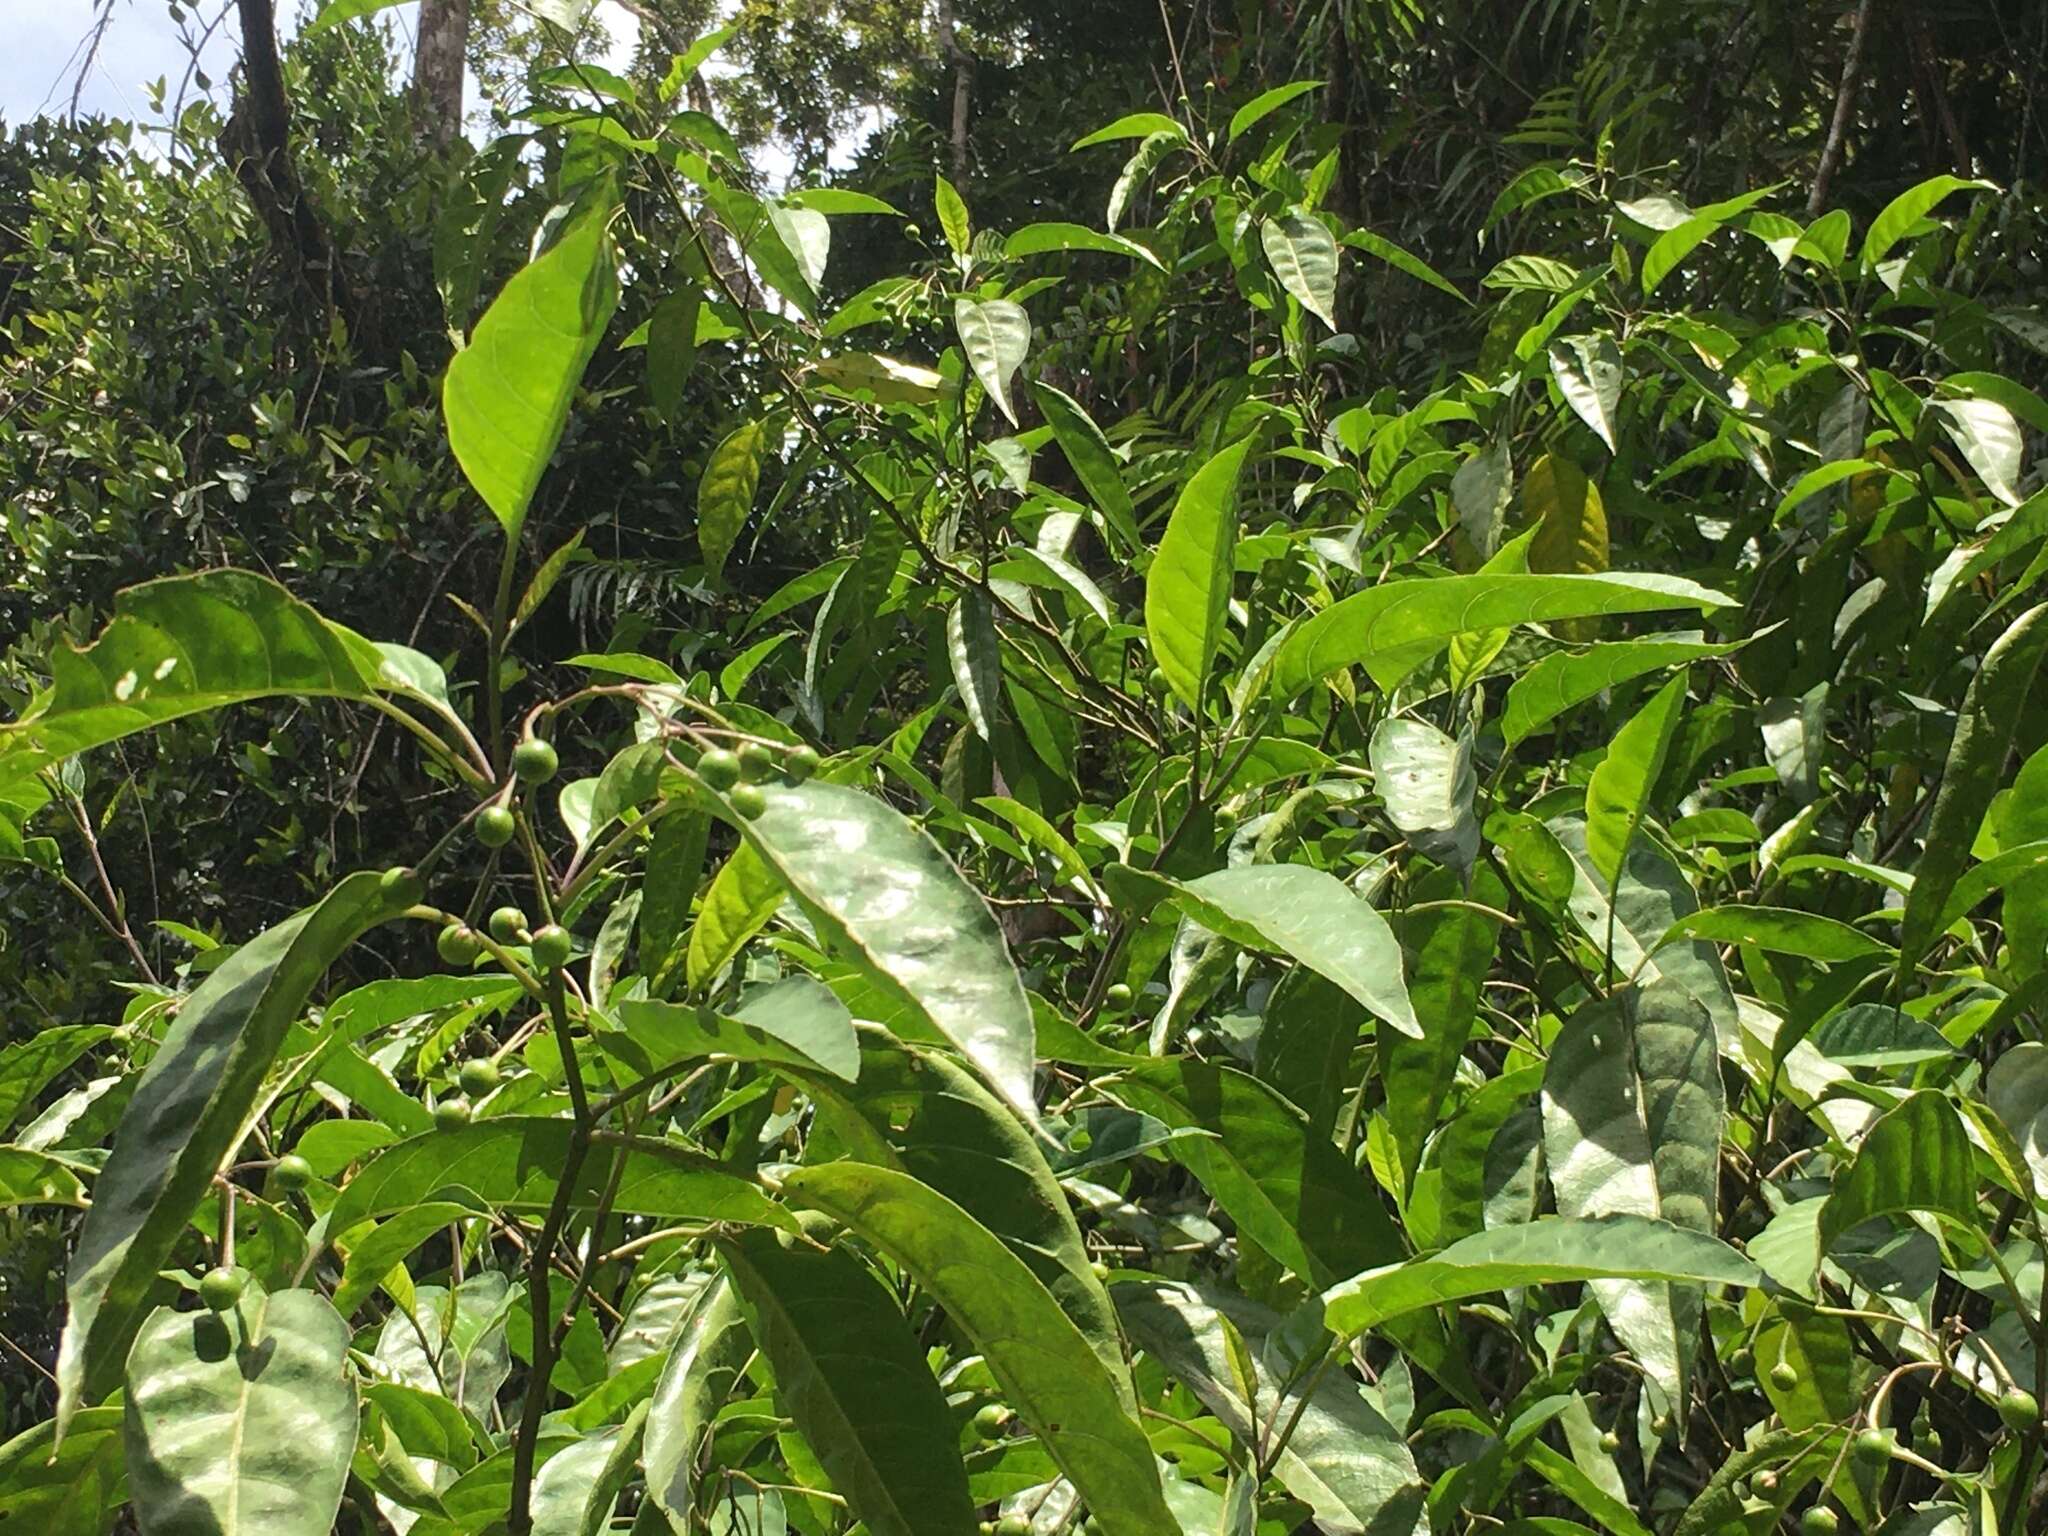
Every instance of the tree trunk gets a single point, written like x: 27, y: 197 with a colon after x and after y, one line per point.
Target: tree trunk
x: 1845, y: 108
x: 951, y: 52
x: 437, y: 70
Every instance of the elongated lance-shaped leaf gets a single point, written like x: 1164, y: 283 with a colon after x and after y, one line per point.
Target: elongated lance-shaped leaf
x: 742, y: 896
x: 1632, y: 1114
x: 916, y: 1110
x: 1549, y: 1252
x: 1392, y: 628
x: 977, y: 659
x: 1567, y: 678
x: 725, y: 494
x: 507, y: 394
x: 72, y: 1490
x: 853, y: 1376
x: 995, y: 334
x: 1618, y: 797
x: 1428, y: 783
x: 1303, y: 255
x: 1048, y: 1371
x: 1344, y: 1460
x: 182, y: 646
x: 711, y: 1348
x: 241, y: 1423
x: 188, y: 1112
x: 795, y: 1021
x: 1915, y: 1157
x: 1187, y: 589
x: 882, y: 893
x: 1991, y: 712
x: 1588, y: 372
x: 1094, y: 464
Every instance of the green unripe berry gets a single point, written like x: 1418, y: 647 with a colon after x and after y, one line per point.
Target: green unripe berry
x: 1225, y: 819
x: 507, y: 924
x: 1117, y: 995
x: 1099, y: 1269
x: 1765, y: 1483
x: 1873, y: 1447
x: 756, y: 762
x: 221, y: 1288
x: 1784, y: 1376
x: 2020, y: 1411
x: 401, y: 885
x: 495, y: 825
x: 801, y: 763
x: 991, y: 1420
x: 551, y: 947
x: 1660, y: 1426
x: 1081, y: 1141
x: 457, y: 945
x: 750, y: 800
x: 1610, y: 1442
x: 478, y: 1076
x: 1013, y: 1525
x: 292, y: 1173
x: 719, y: 768
x: 1156, y: 684
x: 1741, y: 1361
x: 451, y: 1114
x: 1818, y: 1521
x: 534, y: 761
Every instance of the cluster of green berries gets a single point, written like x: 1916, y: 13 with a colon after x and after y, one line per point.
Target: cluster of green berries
x: 741, y: 776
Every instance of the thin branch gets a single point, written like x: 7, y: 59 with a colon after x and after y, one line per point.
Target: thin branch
x: 1845, y: 108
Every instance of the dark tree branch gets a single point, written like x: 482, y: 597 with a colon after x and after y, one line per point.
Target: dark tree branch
x: 1845, y: 108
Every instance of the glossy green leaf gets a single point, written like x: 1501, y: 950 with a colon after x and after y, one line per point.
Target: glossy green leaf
x: 1133, y: 125
x: 995, y: 334
x: 335, y: 12
x: 515, y: 1163
x: 672, y: 348
x: 182, y: 646
x: 883, y: 894
x: 1266, y: 103
x: 1391, y: 628
x: 1875, y: 1035
x: 1303, y: 255
x: 1565, y: 679
x: 1094, y: 465
x: 1589, y: 374
x: 1344, y: 1460
x: 1915, y: 1157
x: 977, y: 658
x: 1187, y: 588
x: 711, y: 1347
x: 188, y: 1113
x: 1618, y: 795
x: 1151, y: 153
x: 742, y: 897
x: 1990, y: 441
x: 1990, y: 714
x: 2016, y: 1088
x: 241, y: 1423
x: 1780, y: 930
x: 1045, y: 239
x: 68, y: 1490
x: 1285, y: 1186
x: 373, y: 1251
x: 1908, y: 209
x: 1385, y: 250
x: 1428, y: 783
x: 851, y: 1373
x: 952, y: 212
x: 29, y: 1177
x: 506, y: 396
x: 795, y: 1021
x: 1546, y: 1252
x: 725, y: 494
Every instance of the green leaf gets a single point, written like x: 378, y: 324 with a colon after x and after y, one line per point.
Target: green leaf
x: 1908, y: 209
x: 1133, y: 125
x: 1780, y: 930
x: 1547, y: 1252
x: 1875, y: 1035
x: 1311, y: 917
x: 953, y: 221
x: 1094, y: 465
x: 1990, y: 441
x: 1047, y: 1369
x: 183, y: 646
x: 1187, y: 588
x: 2016, y: 1088
x: 1044, y: 239
x: 887, y: 379
x: 1618, y: 795
x: 70, y: 1490
x: 1588, y: 372
x: 883, y: 895
x: 28, y: 1067
x: 1565, y: 679
x: 743, y: 895
x: 29, y: 1177
x: 1915, y: 1157
x: 372, y: 1254
x: 1403, y: 261
x: 1632, y: 1118
x: 1303, y: 255
x: 853, y: 1376
x: 506, y: 395
x: 1137, y: 170
x: 725, y: 494
x: 977, y: 659
x: 335, y: 12
x: 1344, y: 1460
x: 1284, y: 1184
x: 1394, y: 626
x: 188, y: 1114
x: 995, y: 334
x: 1267, y: 102
x: 711, y: 1348
x: 795, y: 1022
x: 672, y: 348
x: 241, y: 1423
x: 1428, y: 784
x: 1990, y: 714
x: 515, y: 1163
x: 919, y: 1112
